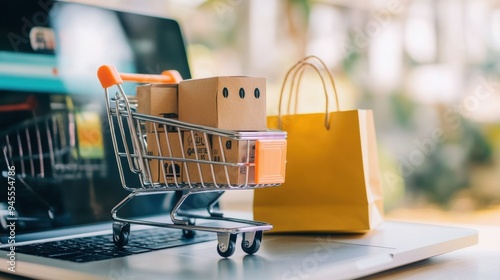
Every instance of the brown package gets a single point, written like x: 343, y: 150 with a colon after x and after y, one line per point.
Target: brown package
x: 232, y: 103
x: 158, y: 100
x: 203, y: 149
x: 234, y: 152
x: 175, y: 151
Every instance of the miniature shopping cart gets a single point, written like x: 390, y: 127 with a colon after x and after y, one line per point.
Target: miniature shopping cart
x: 179, y: 156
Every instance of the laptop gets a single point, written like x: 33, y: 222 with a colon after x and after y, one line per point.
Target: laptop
x: 55, y: 210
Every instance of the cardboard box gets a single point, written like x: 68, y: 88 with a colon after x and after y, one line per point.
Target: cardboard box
x: 232, y: 103
x: 198, y: 149
x: 233, y: 151
x: 158, y: 100
x: 163, y: 150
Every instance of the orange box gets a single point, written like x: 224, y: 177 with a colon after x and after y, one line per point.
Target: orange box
x: 175, y: 151
x: 232, y: 103
x: 233, y: 151
x: 158, y: 100
x: 198, y: 147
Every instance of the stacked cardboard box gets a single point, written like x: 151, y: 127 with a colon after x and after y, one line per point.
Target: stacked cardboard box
x: 161, y: 100
x: 230, y: 103
x: 198, y: 146
x: 233, y: 151
x: 165, y: 145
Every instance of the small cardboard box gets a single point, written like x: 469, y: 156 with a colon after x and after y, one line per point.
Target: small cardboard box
x: 232, y: 103
x: 233, y: 151
x: 158, y: 100
x: 198, y: 149
x: 162, y: 149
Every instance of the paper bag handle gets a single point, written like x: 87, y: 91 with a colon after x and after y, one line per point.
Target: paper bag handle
x: 299, y: 68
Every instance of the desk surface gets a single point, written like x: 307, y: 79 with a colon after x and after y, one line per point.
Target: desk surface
x: 477, y: 262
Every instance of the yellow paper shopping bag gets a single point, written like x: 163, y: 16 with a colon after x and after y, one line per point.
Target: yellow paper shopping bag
x: 332, y: 176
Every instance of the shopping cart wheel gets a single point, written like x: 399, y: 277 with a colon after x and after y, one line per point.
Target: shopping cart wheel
x: 121, y: 233
x: 251, y: 242
x: 226, y: 245
x: 187, y: 233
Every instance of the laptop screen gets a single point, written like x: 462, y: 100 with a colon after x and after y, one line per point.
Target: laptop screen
x: 53, y: 124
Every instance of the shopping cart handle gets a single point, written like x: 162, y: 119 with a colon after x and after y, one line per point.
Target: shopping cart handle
x: 109, y: 76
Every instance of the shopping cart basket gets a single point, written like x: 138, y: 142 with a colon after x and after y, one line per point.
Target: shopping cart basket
x: 194, y: 168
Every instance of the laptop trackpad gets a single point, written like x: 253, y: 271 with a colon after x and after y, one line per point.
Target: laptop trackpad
x: 294, y: 257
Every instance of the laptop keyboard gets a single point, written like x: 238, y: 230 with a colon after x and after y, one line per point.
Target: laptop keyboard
x: 101, y: 247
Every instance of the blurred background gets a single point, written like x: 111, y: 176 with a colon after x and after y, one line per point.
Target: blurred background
x: 428, y: 69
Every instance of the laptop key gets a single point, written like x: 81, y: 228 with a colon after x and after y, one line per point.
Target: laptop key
x: 51, y: 251
x: 26, y: 250
x: 62, y: 255
x: 93, y: 250
x: 117, y: 253
x: 133, y: 250
x: 86, y: 258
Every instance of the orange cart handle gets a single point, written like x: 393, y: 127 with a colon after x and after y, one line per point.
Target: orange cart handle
x: 109, y: 76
